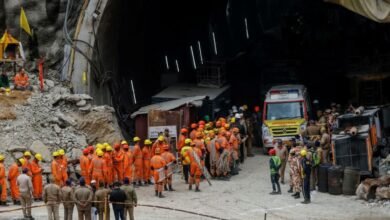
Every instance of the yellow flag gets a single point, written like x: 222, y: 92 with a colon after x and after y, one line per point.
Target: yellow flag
x: 24, y: 23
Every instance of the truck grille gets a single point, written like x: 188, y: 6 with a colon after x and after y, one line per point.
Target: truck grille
x: 284, y: 131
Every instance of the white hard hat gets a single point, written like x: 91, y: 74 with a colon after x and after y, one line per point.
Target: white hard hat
x: 238, y: 116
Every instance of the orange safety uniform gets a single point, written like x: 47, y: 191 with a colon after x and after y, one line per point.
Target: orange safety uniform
x: 118, y: 158
x: 138, y: 162
x: 193, y: 134
x: 97, y: 170
x: 36, y: 171
x: 84, y: 166
x: 235, y: 144
x: 13, y: 173
x: 146, y: 155
x: 156, y: 163
x: 128, y: 165
x: 64, y: 162
x: 158, y: 144
x: 3, y: 183
x: 27, y: 164
x: 169, y: 158
x: 195, y: 169
x: 20, y: 80
x: 58, y: 170
x: 109, y: 178
x: 180, y: 142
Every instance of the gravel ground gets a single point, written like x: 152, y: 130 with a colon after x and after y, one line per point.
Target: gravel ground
x: 245, y: 196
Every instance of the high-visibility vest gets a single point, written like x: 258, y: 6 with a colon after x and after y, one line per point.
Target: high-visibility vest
x: 277, y: 162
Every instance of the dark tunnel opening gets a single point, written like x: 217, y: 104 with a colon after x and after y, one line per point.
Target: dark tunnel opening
x: 263, y: 42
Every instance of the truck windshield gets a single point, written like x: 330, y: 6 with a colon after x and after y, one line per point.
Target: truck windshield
x: 284, y: 110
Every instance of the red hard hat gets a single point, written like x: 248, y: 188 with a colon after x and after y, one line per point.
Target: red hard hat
x: 194, y: 125
x: 201, y: 126
x: 86, y: 151
x: 184, y: 130
x: 272, y: 152
x: 91, y: 149
x: 257, y: 108
x: 117, y: 146
x: 201, y: 122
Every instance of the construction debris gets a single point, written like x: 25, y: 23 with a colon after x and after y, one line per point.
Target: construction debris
x: 371, y: 189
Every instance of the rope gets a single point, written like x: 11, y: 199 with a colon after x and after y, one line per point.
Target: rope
x: 124, y: 203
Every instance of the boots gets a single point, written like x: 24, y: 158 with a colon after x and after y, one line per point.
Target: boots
x: 150, y: 182
x: 197, y: 189
x: 170, y: 188
x: 16, y: 202
x: 290, y: 190
x: 165, y: 188
x: 297, y: 195
x: 306, y: 201
x: 140, y: 183
x: 189, y: 187
x: 3, y: 203
x: 156, y: 192
x: 160, y: 195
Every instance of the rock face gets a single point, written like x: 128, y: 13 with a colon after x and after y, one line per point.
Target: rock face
x: 39, y: 147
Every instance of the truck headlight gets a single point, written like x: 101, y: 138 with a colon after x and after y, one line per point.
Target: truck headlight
x: 303, y: 127
x: 266, y: 132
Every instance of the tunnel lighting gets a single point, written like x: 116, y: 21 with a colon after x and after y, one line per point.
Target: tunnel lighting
x: 166, y: 62
x: 246, y: 28
x: 200, y: 52
x: 215, y: 44
x: 177, y: 66
x: 132, y: 88
x: 193, y: 57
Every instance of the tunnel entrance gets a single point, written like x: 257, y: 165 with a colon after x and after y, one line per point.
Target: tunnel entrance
x: 340, y: 56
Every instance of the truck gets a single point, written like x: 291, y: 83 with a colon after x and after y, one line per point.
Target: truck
x: 285, y: 114
x: 362, y: 138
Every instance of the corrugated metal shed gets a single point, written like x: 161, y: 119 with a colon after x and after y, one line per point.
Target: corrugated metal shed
x: 170, y: 105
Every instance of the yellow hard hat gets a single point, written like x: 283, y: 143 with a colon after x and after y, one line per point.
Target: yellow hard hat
x: 106, y: 144
x: 22, y: 161
x: 160, y: 138
x: 99, y: 146
x: 99, y: 153
x: 56, y: 154
x: 136, y: 139
x: 147, y: 142
x: 124, y: 142
x: 38, y: 157
x: 7, y: 90
x: 187, y: 141
x: 27, y: 153
x: 233, y: 120
x: 108, y: 148
x: 2, y: 157
x: 303, y: 153
x: 61, y: 152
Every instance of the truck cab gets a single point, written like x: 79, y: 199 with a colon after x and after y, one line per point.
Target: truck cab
x: 285, y: 114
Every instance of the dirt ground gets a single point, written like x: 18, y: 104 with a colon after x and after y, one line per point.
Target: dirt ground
x: 7, y: 103
x: 245, y: 197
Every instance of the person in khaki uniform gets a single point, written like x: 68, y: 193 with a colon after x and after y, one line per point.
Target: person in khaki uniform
x: 67, y: 197
x: 52, y: 199
x: 131, y: 198
x: 282, y: 153
x: 325, y: 145
x: 103, y: 207
x: 83, y: 198
x: 26, y: 192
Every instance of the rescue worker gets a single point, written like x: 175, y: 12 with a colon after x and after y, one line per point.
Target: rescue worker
x: 83, y: 196
x: 146, y: 155
x: 3, y: 182
x: 117, y: 198
x: 24, y: 183
x: 158, y: 165
x: 36, y: 171
x: 57, y: 170
x: 234, y: 142
x: 118, y: 157
x: 305, y: 172
x: 325, y: 145
x: 170, y: 161
x: 194, y: 127
x: 21, y: 81
x: 52, y: 198
x: 182, y: 137
x: 27, y: 164
x: 195, y: 166
x: 64, y: 162
x: 109, y: 165
x: 98, y: 167
x: 101, y: 196
x: 67, y: 195
x: 222, y: 155
x: 131, y: 199
x: 84, y: 165
x: 128, y: 162
x: 14, y: 171
x: 138, y: 161
x: 212, y: 152
x: 186, y: 159
x: 158, y: 144
x: 282, y: 153
x: 274, y: 164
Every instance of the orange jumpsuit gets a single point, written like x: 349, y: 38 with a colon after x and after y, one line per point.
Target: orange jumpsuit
x: 180, y: 142
x: 118, y: 157
x: 57, y: 170
x: 13, y: 173
x: 36, y: 171
x: 193, y: 134
x: 156, y: 145
x: 97, y: 170
x: 27, y: 164
x: 169, y: 158
x: 128, y: 165
x: 84, y: 166
x: 195, y: 169
x: 64, y: 163
x: 109, y: 178
x: 138, y: 162
x: 235, y: 143
x: 3, y: 183
x: 146, y: 155
x: 156, y: 163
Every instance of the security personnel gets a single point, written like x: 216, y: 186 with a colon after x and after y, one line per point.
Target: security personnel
x: 131, y: 199
x: 146, y: 155
x: 186, y: 159
x: 83, y: 198
x: 52, y: 199
x: 3, y: 183
x: 305, y: 172
x: 98, y: 167
x: 101, y: 196
x: 274, y: 164
x: 157, y: 163
x: 138, y: 161
x: 67, y: 193
x: 36, y: 171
